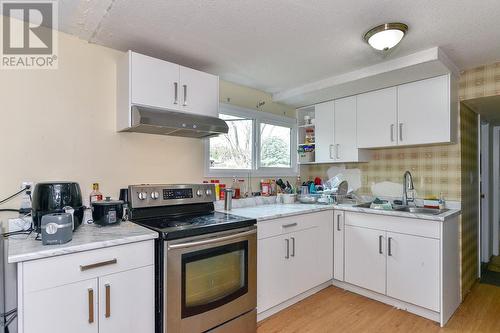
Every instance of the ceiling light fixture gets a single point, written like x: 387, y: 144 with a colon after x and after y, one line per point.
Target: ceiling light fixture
x: 386, y: 36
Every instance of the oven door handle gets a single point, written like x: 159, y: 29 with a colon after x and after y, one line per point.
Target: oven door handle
x: 211, y: 240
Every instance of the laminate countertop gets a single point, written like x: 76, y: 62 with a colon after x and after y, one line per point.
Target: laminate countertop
x: 273, y: 211
x: 86, y: 237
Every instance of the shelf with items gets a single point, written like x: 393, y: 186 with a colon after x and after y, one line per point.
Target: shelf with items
x: 306, y: 135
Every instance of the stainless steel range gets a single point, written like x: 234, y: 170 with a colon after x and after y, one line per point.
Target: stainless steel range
x: 206, y: 261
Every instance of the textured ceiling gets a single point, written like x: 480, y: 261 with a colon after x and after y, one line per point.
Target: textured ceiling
x: 275, y: 45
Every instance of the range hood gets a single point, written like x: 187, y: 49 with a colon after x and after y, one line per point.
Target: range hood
x: 167, y: 122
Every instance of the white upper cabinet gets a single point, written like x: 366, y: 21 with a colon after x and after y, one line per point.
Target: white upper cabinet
x: 324, y: 136
x: 377, y: 118
x: 153, y: 82
x: 199, y: 92
x: 417, y: 113
x: 147, y: 81
x: 346, y: 148
x: 424, y: 111
x: 335, y: 124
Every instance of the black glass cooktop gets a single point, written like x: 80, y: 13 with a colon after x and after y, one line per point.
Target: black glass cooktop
x: 174, y: 227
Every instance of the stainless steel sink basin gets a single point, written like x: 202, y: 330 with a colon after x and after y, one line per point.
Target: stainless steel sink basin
x: 421, y: 210
x: 408, y: 209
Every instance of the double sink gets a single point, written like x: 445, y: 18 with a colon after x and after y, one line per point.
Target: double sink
x: 408, y: 209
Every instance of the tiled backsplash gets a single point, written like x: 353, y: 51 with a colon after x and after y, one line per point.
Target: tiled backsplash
x: 435, y: 169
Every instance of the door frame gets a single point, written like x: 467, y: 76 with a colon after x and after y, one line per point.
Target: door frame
x: 496, y: 190
x: 484, y: 203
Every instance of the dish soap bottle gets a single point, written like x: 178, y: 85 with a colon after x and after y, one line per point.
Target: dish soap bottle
x: 95, y: 195
x: 442, y: 203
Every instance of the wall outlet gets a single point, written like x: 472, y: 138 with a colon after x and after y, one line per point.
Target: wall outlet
x: 27, y: 183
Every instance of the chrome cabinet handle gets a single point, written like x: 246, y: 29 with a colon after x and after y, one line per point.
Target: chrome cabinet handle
x: 176, y: 92
x: 337, y: 154
x: 287, y: 241
x: 108, y: 300
x: 91, y: 305
x: 400, y: 131
x: 331, y: 152
x: 98, y: 264
x: 380, y: 244
x: 289, y: 225
x: 293, y: 246
x: 392, y: 132
x: 389, y: 247
x: 185, y: 88
x: 338, y: 222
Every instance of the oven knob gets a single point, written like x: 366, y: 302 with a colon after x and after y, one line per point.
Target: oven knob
x: 142, y: 195
x: 155, y: 195
x: 199, y: 193
x: 208, y: 192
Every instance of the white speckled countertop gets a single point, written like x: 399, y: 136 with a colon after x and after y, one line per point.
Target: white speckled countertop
x: 86, y: 237
x: 269, y: 211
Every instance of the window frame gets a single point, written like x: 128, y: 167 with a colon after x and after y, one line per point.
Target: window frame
x: 257, y: 117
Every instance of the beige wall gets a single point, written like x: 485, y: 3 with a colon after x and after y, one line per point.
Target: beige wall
x: 60, y: 125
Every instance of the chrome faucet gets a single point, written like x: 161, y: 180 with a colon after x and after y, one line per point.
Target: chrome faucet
x: 407, y: 185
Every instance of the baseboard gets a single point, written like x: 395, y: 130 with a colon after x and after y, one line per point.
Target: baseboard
x: 419, y: 311
x: 275, y: 309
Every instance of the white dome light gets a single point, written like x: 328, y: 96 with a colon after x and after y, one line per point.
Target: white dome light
x: 386, y: 36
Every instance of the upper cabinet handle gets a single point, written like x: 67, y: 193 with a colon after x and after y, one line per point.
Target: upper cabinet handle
x: 337, y: 154
x: 400, y: 131
x: 176, y: 92
x: 185, y: 95
x: 331, y: 152
x: 392, y: 132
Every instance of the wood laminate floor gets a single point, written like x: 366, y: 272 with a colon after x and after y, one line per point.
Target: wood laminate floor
x: 335, y: 310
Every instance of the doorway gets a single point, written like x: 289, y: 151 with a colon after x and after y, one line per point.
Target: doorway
x: 489, y: 191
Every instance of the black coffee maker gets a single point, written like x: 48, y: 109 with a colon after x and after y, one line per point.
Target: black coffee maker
x: 57, y: 197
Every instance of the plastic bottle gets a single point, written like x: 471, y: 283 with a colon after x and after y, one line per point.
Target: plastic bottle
x: 95, y: 195
x: 442, y: 202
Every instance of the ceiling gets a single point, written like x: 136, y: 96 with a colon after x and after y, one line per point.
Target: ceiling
x: 275, y: 45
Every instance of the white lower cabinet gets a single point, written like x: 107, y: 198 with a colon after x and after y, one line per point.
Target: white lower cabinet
x: 108, y: 290
x: 338, y: 245
x: 410, y: 263
x: 69, y: 308
x: 122, y: 300
x: 413, y: 269
x: 365, y: 258
x: 295, y: 254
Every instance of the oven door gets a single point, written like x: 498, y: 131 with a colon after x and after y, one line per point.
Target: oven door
x: 210, y: 279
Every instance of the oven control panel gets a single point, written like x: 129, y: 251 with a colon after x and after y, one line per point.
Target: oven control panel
x: 149, y: 195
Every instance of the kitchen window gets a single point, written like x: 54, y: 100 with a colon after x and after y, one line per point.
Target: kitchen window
x: 257, y: 142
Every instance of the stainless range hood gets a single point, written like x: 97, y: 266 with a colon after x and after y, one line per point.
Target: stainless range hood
x: 166, y: 122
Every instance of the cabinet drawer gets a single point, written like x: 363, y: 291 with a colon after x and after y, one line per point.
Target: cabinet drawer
x: 286, y: 225
x: 56, y: 271
x: 404, y: 225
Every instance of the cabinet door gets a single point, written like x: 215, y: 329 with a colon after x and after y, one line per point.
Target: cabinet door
x: 346, y: 148
x: 199, y: 92
x: 311, y: 258
x: 338, y: 245
x: 154, y: 81
x: 365, y: 258
x: 273, y: 256
x: 377, y: 118
x: 324, y: 136
x: 413, y: 269
x: 424, y: 111
x: 126, y: 301
x: 69, y: 308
